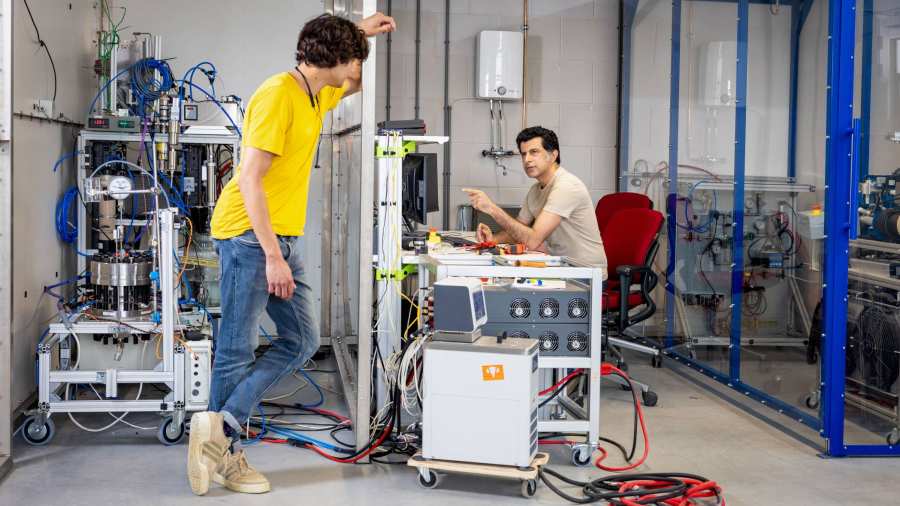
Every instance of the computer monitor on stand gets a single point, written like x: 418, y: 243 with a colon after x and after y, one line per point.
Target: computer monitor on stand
x: 420, y: 187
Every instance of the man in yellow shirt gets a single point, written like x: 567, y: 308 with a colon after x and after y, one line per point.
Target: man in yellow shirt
x: 258, y: 224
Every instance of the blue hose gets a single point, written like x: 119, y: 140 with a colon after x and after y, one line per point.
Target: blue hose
x: 66, y: 221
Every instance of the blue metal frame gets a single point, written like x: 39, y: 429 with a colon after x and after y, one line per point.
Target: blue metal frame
x: 840, y: 214
x: 740, y: 148
x: 838, y: 146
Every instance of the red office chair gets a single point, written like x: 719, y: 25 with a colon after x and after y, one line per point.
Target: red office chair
x: 610, y: 204
x: 630, y: 240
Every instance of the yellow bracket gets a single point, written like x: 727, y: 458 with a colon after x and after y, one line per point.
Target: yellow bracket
x: 406, y: 148
x: 399, y: 275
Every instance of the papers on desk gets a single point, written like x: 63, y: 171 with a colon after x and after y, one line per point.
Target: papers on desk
x: 461, y: 256
x: 547, y: 260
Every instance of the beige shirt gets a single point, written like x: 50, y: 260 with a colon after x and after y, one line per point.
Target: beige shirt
x: 577, y: 236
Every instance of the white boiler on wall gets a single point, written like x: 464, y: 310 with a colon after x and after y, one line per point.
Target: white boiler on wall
x: 498, y: 66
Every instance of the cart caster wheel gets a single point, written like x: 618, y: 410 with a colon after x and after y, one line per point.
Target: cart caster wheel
x: 168, y: 434
x: 581, y: 457
x: 36, y: 434
x: 650, y: 398
x: 529, y: 488
x: 656, y: 361
x: 893, y: 437
x: 811, y: 401
x: 430, y: 482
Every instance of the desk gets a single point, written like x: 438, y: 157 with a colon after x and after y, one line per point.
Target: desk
x: 588, y: 420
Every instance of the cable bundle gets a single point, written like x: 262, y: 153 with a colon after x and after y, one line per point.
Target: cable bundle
x: 671, y: 489
x: 144, y: 84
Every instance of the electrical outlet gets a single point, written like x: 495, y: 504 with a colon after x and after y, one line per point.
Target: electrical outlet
x: 42, y: 107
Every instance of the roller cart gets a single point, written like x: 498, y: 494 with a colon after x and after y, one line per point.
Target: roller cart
x: 428, y: 477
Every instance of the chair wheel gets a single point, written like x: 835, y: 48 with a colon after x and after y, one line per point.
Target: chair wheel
x: 581, y: 457
x: 650, y: 398
x: 38, y: 434
x: 893, y: 437
x: 656, y: 361
x: 168, y: 434
x: 529, y: 488
x: 431, y: 481
x: 811, y: 401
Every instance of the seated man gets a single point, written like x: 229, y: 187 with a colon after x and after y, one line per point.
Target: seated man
x: 557, y: 216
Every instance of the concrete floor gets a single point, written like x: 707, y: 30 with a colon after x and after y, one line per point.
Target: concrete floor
x: 693, y: 429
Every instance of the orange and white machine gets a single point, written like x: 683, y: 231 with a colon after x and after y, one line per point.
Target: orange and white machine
x: 480, y: 401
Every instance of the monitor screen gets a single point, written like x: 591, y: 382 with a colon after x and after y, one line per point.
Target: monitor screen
x: 420, y: 186
x: 478, y: 305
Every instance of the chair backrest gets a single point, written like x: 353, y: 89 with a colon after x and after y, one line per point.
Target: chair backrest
x: 612, y: 203
x: 631, y: 235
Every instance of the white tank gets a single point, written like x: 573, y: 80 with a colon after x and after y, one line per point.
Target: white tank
x: 498, y: 67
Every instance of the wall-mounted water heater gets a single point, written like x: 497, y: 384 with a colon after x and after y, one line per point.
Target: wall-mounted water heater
x: 498, y: 66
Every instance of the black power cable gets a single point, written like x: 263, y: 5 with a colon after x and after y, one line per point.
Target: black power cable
x: 559, y: 390
x: 43, y: 45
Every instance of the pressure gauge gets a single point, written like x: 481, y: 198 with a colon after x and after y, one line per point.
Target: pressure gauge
x: 119, y: 187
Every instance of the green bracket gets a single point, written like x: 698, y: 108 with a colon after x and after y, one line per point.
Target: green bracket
x: 399, y: 275
x: 408, y: 147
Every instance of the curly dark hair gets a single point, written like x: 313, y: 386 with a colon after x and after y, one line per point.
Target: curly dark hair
x: 327, y: 41
x: 548, y: 139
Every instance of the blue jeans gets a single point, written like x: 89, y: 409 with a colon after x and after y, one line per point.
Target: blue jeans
x: 239, y: 380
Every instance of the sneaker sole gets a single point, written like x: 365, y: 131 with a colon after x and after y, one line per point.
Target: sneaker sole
x: 200, y: 467
x: 244, y: 488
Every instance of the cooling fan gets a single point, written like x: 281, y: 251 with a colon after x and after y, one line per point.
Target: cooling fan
x: 549, y: 341
x: 549, y: 308
x: 577, y: 341
x: 520, y: 308
x: 578, y: 308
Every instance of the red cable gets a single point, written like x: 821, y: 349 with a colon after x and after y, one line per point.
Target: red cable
x: 353, y: 460
x: 637, y: 405
x: 561, y: 382
x: 326, y: 412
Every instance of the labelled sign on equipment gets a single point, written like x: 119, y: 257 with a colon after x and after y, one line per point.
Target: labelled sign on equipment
x: 492, y: 372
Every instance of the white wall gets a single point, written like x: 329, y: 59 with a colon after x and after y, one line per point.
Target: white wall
x: 39, y: 259
x: 571, y: 88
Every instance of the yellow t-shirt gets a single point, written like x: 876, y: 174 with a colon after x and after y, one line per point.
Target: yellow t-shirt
x: 280, y: 120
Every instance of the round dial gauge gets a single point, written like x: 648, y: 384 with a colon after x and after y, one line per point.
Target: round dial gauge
x: 119, y: 187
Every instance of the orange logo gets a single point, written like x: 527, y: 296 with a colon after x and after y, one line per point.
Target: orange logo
x: 493, y: 372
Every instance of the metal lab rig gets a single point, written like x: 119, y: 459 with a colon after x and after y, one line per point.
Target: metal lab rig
x: 139, y: 313
x: 125, y: 316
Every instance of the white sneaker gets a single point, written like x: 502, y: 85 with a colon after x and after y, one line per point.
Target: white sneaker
x: 238, y: 475
x: 208, y: 447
